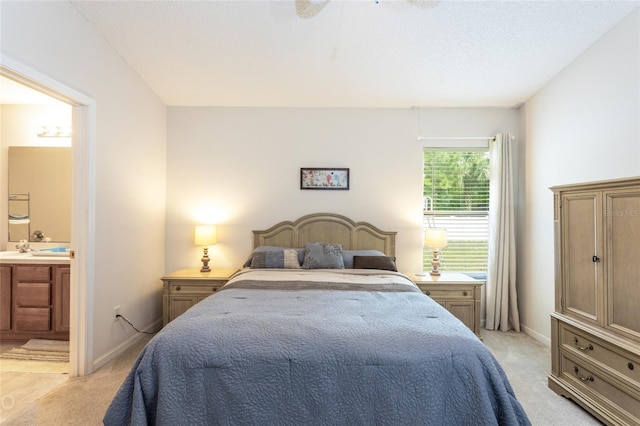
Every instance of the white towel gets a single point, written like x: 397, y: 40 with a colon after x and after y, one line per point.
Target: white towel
x: 18, y: 221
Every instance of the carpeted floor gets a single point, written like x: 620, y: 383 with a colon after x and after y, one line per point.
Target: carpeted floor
x: 528, y: 364
x: 84, y: 400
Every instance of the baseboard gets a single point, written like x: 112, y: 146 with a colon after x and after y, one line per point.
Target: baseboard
x: 122, y: 347
x: 535, y: 335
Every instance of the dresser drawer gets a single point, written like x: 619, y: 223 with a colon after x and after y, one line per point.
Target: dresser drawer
x: 599, y: 389
x: 178, y: 288
x: 33, y: 319
x: 34, y: 295
x: 623, y: 362
x: 33, y: 273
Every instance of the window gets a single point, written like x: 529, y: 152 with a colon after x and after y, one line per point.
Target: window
x: 456, y: 197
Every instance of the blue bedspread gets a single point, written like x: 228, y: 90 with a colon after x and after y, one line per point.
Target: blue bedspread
x: 316, y: 357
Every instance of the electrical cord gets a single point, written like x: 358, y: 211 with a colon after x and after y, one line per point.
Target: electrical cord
x: 134, y: 327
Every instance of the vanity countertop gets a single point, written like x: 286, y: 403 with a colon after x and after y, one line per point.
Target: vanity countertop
x: 17, y: 257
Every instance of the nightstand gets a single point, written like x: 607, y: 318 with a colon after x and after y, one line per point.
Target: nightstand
x: 458, y: 293
x: 184, y: 288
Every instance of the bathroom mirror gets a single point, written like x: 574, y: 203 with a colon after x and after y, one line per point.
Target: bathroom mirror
x: 39, y: 202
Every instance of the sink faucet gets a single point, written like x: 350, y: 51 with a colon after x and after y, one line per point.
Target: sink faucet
x: 23, y: 246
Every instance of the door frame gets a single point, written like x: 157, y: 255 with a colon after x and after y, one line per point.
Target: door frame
x: 83, y: 143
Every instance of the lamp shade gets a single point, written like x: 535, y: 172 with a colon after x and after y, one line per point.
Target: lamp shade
x: 205, y: 235
x: 435, y: 238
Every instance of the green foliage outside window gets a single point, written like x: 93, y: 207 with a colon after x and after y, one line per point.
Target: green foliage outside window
x: 457, y: 181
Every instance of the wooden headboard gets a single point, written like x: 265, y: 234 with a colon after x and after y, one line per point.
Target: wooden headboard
x: 330, y: 228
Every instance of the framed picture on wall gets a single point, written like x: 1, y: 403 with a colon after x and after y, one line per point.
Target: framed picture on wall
x: 324, y: 178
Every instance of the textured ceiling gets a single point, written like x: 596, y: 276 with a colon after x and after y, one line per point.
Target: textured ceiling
x: 366, y: 53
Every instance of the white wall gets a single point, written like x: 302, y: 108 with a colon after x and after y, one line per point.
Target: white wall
x: 239, y: 168
x: 130, y: 158
x: 582, y: 126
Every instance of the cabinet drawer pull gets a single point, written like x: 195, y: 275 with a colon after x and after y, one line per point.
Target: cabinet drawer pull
x: 213, y: 289
x: 584, y: 379
x: 589, y: 347
x: 464, y: 293
x: 427, y: 292
x: 595, y: 259
x: 630, y: 365
x: 178, y: 288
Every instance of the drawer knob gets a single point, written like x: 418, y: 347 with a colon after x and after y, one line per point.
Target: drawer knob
x: 584, y: 379
x: 427, y: 292
x: 178, y: 288
x: 589, y: 347
x: 630, y: 365
x: 464, y: 293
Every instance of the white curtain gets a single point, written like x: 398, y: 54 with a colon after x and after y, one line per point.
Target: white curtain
x: 501, y: 298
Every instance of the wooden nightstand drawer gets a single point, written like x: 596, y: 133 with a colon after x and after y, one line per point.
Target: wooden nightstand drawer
x: 448, y: 293
x: 202, y: 288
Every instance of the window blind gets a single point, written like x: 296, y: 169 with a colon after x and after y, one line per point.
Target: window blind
x: 456, y: 198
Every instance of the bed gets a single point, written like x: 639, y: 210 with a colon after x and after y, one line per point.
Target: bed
x: 317, y: 329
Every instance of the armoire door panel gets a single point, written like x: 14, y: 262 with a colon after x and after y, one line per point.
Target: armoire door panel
x: 581, y: 268
x: 623, y: 276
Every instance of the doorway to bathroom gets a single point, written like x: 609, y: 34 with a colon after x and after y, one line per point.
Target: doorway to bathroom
x: 82, y: 208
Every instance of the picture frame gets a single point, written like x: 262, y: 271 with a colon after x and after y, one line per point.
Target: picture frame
x: 329, y: 178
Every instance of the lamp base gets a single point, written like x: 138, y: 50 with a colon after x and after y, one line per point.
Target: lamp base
x: 205, y: 261
x: 435, y: 264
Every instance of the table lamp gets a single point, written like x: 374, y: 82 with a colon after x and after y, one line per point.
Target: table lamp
x: 435, y: 239
x: 205, y: 235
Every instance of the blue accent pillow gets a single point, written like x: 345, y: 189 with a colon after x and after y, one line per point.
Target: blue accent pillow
x: 280, y: 259
x: 347, y: 256
x: 323, y: 256
x: 262, y: 249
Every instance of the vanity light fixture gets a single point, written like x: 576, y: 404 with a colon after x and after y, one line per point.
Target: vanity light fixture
x: 53, y: 131
x: 435, y: 239
x: 205, y: 235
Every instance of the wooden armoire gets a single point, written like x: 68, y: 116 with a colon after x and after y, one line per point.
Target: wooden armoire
x: 595, y: 329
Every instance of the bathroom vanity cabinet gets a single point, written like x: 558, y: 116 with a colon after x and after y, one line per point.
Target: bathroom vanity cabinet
x: 34, y: 301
